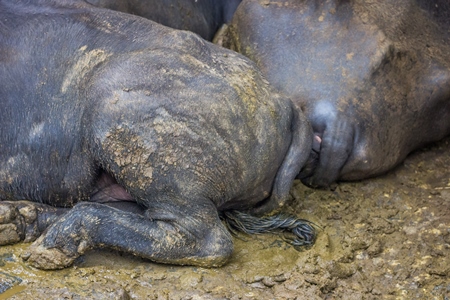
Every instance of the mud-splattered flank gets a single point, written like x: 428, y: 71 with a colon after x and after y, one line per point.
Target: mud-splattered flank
x: 130, y: 153
x: 86, y: 61
x: 384, y: 238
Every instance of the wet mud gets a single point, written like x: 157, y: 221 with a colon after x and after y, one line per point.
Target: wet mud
x: 383, y: 238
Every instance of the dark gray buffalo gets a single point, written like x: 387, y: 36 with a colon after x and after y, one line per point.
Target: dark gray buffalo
x: 203, y: 17
x: 100, y: 107
x: 373, y: 77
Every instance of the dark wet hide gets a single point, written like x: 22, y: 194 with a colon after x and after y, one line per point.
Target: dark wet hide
x: 297, y: 232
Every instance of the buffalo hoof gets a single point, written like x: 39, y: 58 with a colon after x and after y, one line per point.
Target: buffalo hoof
x: 17, y: 222
x: 63, y: 242
x: 47, y: 258
x: 25, y: 221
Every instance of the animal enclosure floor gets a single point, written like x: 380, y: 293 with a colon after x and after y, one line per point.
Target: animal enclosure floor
x: 383, y: 238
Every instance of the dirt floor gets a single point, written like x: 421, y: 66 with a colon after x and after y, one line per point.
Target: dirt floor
x: 384, y: 238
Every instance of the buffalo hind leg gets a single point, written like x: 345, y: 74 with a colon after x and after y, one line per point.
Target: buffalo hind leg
x: 166, y: 237
x: 25, y: 220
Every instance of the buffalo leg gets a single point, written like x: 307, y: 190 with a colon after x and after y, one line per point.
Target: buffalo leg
x: 25, y: 220
x: 198, y: 238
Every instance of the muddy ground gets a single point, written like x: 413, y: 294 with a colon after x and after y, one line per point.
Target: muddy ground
x: 384, y: 238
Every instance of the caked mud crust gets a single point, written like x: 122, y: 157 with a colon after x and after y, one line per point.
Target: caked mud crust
x: 19, y: 221
x: 383, y: 238
x: 47, y: 259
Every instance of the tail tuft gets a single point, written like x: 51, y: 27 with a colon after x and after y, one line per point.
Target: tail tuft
x: 298, y: 232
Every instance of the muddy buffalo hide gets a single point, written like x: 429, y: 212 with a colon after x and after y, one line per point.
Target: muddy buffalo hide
x: 372, y: 76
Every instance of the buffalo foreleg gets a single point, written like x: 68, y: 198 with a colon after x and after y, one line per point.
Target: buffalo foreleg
x: 25, y: 220
x: 176, y: 236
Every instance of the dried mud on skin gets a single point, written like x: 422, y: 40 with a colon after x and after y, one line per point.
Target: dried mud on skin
x: 384, y: 238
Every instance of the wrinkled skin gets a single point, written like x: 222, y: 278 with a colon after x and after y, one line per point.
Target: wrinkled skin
x: 203, y: 17
x: 146, y: 131
x: 372, y: 77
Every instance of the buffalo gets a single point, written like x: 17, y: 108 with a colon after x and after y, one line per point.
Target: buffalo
x: 119, y: 132
x: 373, y: 78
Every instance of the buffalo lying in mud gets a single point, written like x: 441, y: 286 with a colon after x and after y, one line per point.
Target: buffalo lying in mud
x: 373, y: 77
x: 122, y: 133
